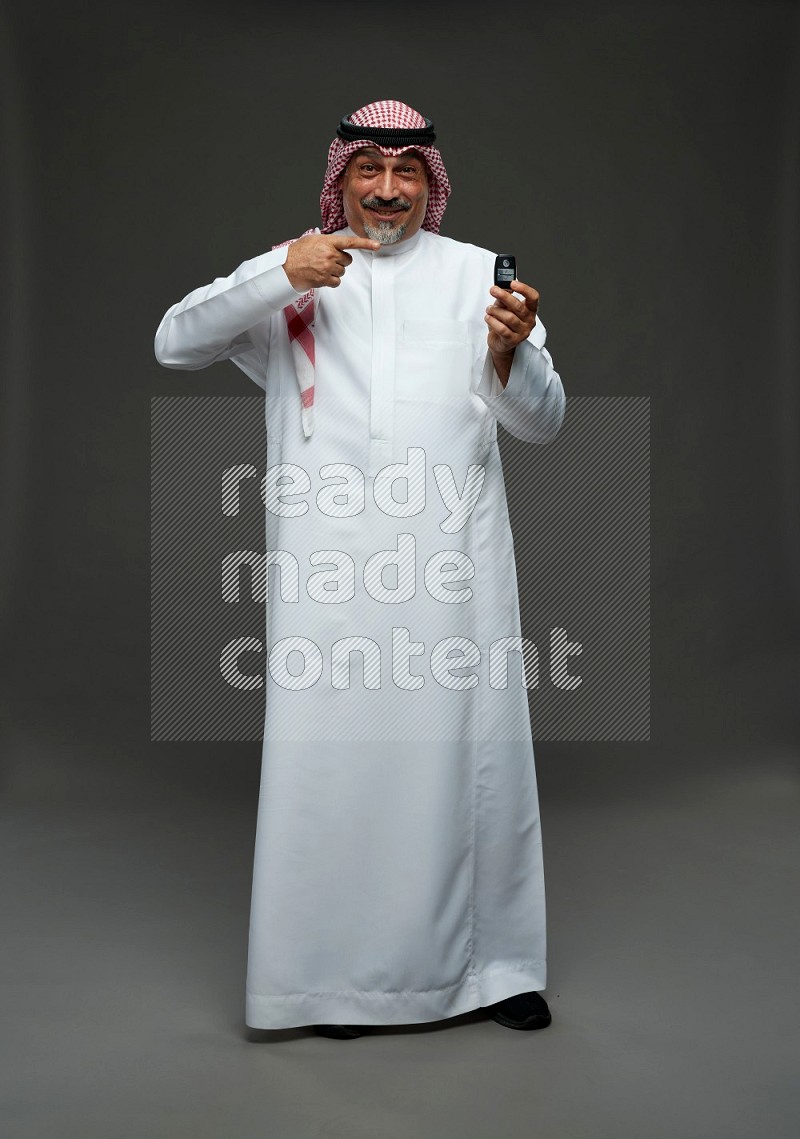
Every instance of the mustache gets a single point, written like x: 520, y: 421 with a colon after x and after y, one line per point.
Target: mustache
x: 379, y: 204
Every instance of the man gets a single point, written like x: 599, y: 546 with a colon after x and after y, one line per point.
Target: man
x: 397, y: 872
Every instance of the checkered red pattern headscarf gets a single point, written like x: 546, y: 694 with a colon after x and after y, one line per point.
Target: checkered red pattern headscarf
x: 385, y: 116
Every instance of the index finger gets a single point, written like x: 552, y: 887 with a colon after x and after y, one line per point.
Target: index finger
x: 347, y: 241
x: 529, y: 293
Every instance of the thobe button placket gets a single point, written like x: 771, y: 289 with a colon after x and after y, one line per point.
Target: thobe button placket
x: 381, y: 400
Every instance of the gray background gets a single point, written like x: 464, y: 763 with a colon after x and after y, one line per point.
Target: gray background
x: 641, y: 160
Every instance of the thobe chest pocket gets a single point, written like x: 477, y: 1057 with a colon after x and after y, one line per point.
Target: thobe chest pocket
x: 435, y: 360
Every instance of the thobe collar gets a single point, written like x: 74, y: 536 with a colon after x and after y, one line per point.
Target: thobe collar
x: 389, y: 250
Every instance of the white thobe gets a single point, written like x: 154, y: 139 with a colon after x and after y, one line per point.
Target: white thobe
x: 398, y: 870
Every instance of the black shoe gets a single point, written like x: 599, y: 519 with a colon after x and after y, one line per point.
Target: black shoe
x: 337, y: 1031
x: 526, y: 1010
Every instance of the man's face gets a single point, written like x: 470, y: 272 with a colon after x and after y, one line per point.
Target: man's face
x: 385, y: 197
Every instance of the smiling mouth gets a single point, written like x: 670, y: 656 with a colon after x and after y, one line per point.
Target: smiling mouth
x: 386, y: 213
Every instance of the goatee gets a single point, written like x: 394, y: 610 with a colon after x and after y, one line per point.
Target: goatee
x: 385, y: 232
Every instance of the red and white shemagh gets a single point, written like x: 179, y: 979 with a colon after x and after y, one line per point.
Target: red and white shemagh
x: 387, y: 114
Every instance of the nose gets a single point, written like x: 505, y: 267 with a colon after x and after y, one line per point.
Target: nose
x: 386, y: 187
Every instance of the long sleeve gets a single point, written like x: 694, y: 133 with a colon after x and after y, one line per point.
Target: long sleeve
x: 532, y: 404
x: 212, y: 322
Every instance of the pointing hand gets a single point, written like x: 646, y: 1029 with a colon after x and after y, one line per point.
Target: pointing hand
x: 321, y: 258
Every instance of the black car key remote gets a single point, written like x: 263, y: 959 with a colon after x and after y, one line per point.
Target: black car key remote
x: 505, y: 270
